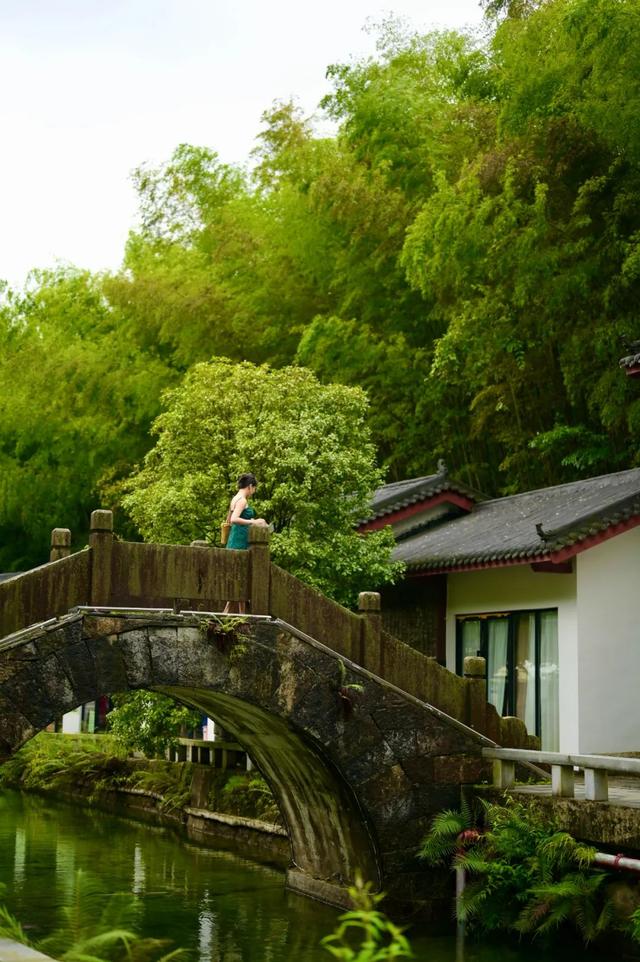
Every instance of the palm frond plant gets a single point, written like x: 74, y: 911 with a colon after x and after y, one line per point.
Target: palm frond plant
x: 10, y: 928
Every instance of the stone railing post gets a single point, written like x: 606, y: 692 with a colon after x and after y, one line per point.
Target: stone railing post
x: 475, y: 673
x: 101, y: 544
x: 370, y: 609
x: 60, y: 544
x: 562, y: 781
x: 259, y: 570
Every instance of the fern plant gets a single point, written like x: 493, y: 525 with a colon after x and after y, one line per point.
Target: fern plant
x: 523, y: 874
x: 249, y: 792
x: 229, y: 635
x: 348, y: 692
x: 171, y: 781
x: 63, y: 761
x: 451, y: 831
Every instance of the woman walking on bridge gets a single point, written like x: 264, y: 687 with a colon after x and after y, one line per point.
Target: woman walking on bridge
x: 241, y: 516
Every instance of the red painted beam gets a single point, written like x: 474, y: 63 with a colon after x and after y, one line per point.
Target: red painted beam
x: 554, y: 557
x: 553, y: 568
x: 633, y: 371
x: 445, y: 497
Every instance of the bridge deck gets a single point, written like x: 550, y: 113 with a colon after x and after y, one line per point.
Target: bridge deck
x: 624, y: 790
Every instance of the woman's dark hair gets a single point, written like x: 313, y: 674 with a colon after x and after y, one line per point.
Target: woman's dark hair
x: 247, y: 480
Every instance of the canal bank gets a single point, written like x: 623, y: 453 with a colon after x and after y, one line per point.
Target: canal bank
x: 218, y: 905
x: 222, y: 809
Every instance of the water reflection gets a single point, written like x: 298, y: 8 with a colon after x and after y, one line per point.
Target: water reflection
x: 219, y: 906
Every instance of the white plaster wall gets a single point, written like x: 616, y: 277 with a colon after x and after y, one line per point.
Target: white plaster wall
x: 71, y: 722
x: 608, y: 592
x: 517, y: 589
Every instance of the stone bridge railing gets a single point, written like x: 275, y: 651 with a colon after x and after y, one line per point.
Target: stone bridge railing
x: 201, y: 577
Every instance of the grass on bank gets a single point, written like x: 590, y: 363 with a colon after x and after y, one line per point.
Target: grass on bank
x: 94, y: 765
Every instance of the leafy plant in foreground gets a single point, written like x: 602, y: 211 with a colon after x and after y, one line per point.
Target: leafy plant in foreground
x: 94, y: 927
x: 364, y: 934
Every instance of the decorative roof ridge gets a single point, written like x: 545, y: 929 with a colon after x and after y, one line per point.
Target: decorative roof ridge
x: 396, y: 496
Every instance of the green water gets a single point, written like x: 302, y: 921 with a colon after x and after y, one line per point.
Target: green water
x: 220, y: 906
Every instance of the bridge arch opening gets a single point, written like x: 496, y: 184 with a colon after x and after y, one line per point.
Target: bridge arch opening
x: 260, y: 691
x: 327, y: 830
x: 356, y: 792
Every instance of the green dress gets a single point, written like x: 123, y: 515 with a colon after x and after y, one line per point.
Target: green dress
x: 239, y: 534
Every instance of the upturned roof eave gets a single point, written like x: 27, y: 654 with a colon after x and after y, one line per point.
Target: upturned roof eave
x: 425, y: 495
x: 555, y: 553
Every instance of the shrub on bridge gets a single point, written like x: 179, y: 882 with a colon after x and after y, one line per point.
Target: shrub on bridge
x: 310, y: 448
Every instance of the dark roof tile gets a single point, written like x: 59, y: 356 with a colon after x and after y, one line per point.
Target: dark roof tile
x: 401, y: 494
x: 505, y: 528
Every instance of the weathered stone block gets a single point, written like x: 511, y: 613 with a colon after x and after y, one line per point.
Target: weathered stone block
x: 16, y: 659
x: 136, y: 653
x: 457, y: 769
x: 80, y: 668
x: 111, y: 673
x: 370, y: 764
x: 15, y: 728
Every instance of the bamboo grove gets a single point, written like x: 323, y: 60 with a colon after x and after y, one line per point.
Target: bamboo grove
x: 464, y: 245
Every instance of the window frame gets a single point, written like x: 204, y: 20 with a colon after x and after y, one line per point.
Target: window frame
x: 484, y: 618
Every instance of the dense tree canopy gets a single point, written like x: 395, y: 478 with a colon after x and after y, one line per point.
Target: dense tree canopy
x: 465, y: 247
x: 310, y: 449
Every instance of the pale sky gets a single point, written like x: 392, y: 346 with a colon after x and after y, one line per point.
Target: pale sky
x: 91, y: 89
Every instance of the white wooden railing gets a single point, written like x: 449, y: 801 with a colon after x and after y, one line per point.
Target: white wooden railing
x: 596, y: 770
x: 218, y: 754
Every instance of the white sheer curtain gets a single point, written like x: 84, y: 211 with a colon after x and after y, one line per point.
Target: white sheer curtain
x: 549, y: 681
x: 525, y: 662
x: 470, y: 638
x: 497, y: 640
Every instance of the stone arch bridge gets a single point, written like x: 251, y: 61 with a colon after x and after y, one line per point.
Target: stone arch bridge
x: 358, y: 773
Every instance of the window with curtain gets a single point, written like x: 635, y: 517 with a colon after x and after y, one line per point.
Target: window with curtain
x: 521, y: 651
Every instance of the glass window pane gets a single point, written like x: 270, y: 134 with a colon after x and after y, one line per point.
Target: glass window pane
x: 497, y: 644
x: 470, y: 638
x: 549, y: 681
x: 525, y: 669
